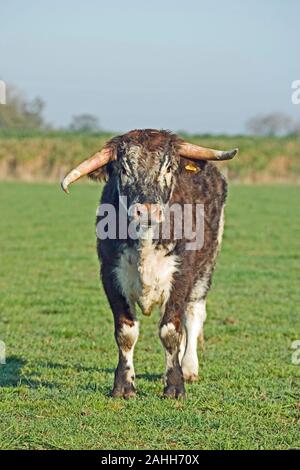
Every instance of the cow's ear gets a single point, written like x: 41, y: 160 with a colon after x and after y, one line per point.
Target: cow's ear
x: 101, y: 174
x: 191, y: 166
x: 104, y: 172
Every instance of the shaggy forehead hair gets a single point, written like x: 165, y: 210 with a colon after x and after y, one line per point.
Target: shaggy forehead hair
x: 146, y: 147
x: 146, y: 162
x: 145, y: 151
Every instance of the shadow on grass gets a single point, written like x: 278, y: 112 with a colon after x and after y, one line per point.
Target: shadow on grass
x: 150, y: 377
x: 11, y: 375
x: 107, y: 370
x: 10, y: 372
x: 77, y: 367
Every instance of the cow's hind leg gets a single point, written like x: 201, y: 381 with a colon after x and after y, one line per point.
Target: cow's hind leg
x: 195, y: 315
x: 171, y: 333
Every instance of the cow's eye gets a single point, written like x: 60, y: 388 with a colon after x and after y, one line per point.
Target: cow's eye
x: 169, y: 169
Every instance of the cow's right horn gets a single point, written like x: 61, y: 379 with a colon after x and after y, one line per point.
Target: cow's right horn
x: 87, y: 166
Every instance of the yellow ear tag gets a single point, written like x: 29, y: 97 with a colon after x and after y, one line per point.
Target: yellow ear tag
x: 191, y: 167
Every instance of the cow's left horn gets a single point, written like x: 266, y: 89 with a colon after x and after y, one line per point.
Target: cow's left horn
x: 91, y: 164
x: 195, y: 152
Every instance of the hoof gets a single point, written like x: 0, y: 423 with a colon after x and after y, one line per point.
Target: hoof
x: 174, y: 392
x: 190, y: 378
x: 126, y: 392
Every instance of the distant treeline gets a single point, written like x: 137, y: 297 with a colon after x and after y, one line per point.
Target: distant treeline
x: 48, y: 155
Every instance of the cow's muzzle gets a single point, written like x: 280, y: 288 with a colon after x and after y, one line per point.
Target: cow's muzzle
x: 146, y: 214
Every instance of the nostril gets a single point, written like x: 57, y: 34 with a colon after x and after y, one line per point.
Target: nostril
x: 147, y: 212
x: 136, y: 211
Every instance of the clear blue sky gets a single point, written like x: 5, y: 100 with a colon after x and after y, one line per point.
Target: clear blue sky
x: 190, y: 64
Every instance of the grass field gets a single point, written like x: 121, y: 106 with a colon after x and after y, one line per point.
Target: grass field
x: 58, y: 330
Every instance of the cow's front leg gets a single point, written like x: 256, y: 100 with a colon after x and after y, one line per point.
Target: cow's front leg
x: 126, y: 334
x: 171, y: 333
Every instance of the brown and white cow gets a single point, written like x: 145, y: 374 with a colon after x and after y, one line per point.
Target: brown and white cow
x: 155, y: 169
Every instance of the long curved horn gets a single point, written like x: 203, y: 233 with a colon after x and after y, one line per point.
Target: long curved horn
x: 195, y: 152
x: 87, y: 166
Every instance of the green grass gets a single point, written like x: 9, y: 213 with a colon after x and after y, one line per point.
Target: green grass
x: 58, y: 330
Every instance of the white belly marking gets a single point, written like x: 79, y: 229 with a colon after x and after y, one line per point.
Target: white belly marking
x: 145, y: 274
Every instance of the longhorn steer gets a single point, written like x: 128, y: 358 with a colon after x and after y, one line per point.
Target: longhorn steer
x: 153, y: 170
